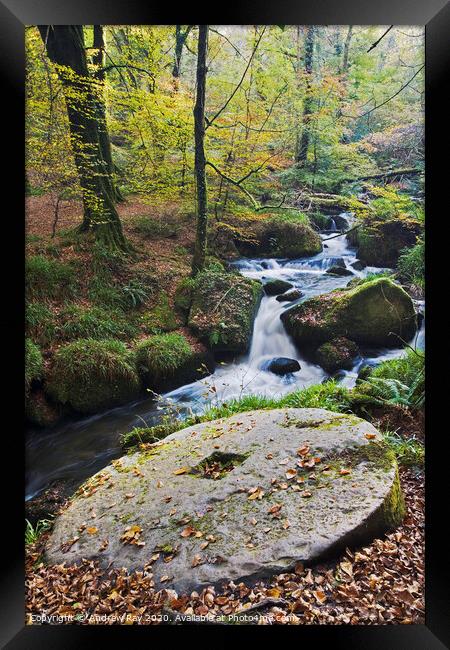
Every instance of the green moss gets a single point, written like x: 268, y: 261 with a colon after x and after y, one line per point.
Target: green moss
x: 223, y: 309
x: 48, y: 278
x: 34, y: 364
x: 92, y: 375
x: 95, y: 323
x: 380, y: 242
x: 160, y: 318
x: 281, y: 236
x: 375, y: 313
x: 183, y: 295
x: 335, y: 354
x: 162, y: 355
x: 394, y: 508
x: 39, y: 411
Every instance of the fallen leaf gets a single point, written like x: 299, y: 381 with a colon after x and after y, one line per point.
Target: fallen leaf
x: 182, y: 470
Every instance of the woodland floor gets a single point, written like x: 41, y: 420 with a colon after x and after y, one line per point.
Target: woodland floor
x: 382, y: 583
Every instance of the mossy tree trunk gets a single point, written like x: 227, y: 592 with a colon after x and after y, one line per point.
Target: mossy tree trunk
x: 198, y: 261
x: 303, y: 145
x: 66, y: 49
x: 98, y: 59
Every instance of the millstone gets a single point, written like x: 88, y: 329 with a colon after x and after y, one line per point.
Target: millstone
x: 238, y: 498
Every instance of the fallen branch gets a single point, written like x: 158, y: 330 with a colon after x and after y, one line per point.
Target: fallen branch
x: 388, y: 174
x: 342, y: 233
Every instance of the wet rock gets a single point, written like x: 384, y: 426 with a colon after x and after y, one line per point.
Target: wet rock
x: 358, y: 265
x: 336, y: 354
x: 166, y: 361
x: 283, y: 366
x: 374, y: 313
x: 340, y: 222
x: 339, y: 270
x: 380, y: 242
x: 222, y: 500
x: 223, y: 310
x: 277, y: 238
x: 289, y: 296
x: 275, y: 287
x: 48, y: 503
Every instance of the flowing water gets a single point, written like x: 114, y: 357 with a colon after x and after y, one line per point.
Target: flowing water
x: 74, y: 450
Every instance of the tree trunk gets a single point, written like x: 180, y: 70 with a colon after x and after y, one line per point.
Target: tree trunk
x: 65, y: 48
x: 302, y: 153
x: 345, y: 59
x: 105, y: 143
x: 198, y: 261
x: 180, y: 40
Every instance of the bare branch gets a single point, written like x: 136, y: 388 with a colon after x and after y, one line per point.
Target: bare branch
x: 210, y: 121
x: 355, y: 117
x: 380, y: 39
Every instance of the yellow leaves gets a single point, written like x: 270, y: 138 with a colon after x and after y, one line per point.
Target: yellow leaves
x: 290, y: 473
x: 320, y: 596
x: 132, y: 535
x: 181, y: 470
x: 92, y: 530
x: 303, y: 451
x: 66, y: 546
x: 273, y: 593
x: 275, y: 510
x: 347, y: 568
x: 255, y: 493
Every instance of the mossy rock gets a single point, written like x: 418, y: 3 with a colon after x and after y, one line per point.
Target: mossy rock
x: 374, y: 313
x: 90, y: 376
x: 336, y: 354
x: 343, y: 492
x: 278, y: 238
x: 161, y: 318
x: 165, y: 361
x: 380, y: 242
x: 34, y: 364
x: 275, y: 287
x: 183, y: 296
x: 39, y: 411
x: 223, y: 310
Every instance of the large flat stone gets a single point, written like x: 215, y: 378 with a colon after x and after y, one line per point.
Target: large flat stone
x: 302, y: 484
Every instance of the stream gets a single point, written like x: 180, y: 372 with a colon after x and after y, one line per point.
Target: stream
x: 73, y: 450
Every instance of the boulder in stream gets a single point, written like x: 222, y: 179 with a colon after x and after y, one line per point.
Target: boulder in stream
x: 336, y: 354
x: 275, y: 287
x: 276, y: 237
x: 90, y: 376
x: 380, y: 241
x: 376, y: 313
x: 339, y: 270
x: 290, y: 296
x: 283, y: 366
x: 166, y: 361
x: 358, y: 265
x: 222, y: 310
x: 238, y: 498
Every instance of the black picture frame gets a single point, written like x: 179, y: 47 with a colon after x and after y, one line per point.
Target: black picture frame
x: 14, y: 15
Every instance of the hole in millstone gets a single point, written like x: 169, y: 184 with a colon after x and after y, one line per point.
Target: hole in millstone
x: 218, y: 464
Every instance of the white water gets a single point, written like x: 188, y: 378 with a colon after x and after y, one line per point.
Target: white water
x: 75, y: 450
